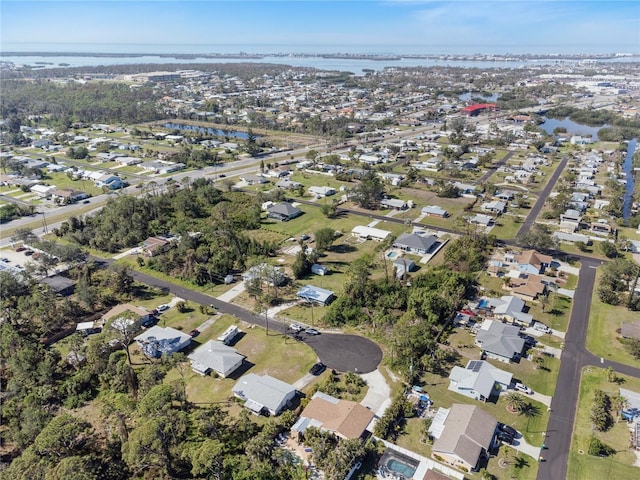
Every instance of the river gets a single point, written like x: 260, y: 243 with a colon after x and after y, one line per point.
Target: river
x: 627, y: 168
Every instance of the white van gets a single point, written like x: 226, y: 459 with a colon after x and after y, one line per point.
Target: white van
x: 541, y: 327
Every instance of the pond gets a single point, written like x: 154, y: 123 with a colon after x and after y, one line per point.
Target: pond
x: 487, y: 97
x: 211, y: 131
x: 572, y: 127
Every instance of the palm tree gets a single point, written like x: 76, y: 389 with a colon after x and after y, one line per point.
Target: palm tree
x: 529, y: 411
x: 619, y: 403
x: 515, y: 402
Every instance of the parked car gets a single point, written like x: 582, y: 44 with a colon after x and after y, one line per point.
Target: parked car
x: 312, y: 331
x: 505, y: 437
x: 509, y: 430
x: 28, y: 253
x: 521, y: 387
x: 194, y: 333
x: 21, y: 249
x: 296, y: 328
x: 163, y: 307
x: 541, y: 327
x: 318, y: 368
x: 304, y: 236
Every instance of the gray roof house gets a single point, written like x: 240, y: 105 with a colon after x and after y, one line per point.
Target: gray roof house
x: 283, y: 212
x: 217, y: 357
x: 403, y: 265
x: 510, y: 308
x: 316, y: 295
x: 262, y: 393
x: 479, y: 380
x: 500, y: 340
x: 464, y: 434
x: 157, y: 341
x: 412, y: 242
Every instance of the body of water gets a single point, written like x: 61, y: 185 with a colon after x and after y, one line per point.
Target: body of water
x: 627, y: 167
x: 572, y: 127
x: 116, y: 54
x: 211, y: 131
x: 466, y: 97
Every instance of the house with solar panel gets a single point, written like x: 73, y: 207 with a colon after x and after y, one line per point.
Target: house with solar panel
x: 479, y: 380
x: 316, y: 295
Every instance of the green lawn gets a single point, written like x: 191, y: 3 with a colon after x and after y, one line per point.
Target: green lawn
x: 61, y: 180
x: 507, y: 226
x: 602, y: 338
x: 584, y: 466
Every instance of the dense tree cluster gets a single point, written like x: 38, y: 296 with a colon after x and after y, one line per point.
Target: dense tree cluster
x: 617, y: 283
x: 89, y: 102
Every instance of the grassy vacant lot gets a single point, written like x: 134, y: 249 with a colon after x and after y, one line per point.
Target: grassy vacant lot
x: 507, y: 226
x: 602, y: 339
x: 584, y: 466
x: 61, y: 180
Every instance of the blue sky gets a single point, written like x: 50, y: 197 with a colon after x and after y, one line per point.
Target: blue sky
x: 463, y: 26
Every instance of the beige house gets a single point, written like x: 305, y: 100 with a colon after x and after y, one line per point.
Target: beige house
x: 464, y: 434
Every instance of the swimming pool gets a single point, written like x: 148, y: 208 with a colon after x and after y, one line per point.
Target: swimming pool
x: 483, y: 303
x: 396, y: 466
x: 392, y: 255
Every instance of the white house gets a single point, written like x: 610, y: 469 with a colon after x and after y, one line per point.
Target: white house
x: 157, y: 341
x: 322, y: 191
x: 479, y: 380
x: 262, y: 393
x: 217, y: 357
x: 365, y: 233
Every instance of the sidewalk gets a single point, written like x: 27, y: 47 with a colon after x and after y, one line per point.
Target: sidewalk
x: 229, y: 295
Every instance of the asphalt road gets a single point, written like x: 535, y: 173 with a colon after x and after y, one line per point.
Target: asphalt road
x: 542, y: 197
x: 574, y: 358
x: 340, y: 352
x: 494, y: 168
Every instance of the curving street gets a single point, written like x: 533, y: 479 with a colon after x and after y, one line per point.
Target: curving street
x: 340, y: 352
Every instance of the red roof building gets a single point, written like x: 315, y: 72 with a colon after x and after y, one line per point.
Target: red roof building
x: 478, y: 107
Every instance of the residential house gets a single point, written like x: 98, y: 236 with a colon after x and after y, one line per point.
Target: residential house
x: 251, y: 179
x: 570, y: 237
x: 120, y: 310
x: 509, y: 307
x: 500, y: 341
x: 479, y: 380
x: 322, y: 191
x: 570, y: 220
x: 531, y: 261
x: 43, y: 190
x: 157, y: 341
x: 527, y: 286
x: 393, y: 203
x: 153, y: 246
x: 403, y: 266
x: 268, y: 274
x: 434, y: 211
x: 464, y: 434
x: 263, y: 393
x: 495, y: 206
x: 215, y: 357
x: 482, y: 220
x: 414, y: 243
x: 283, y: 212
x: 112, y: 182
x: 288, y: 184
x: 344, y: 418
x: 601, y: 227
x: 69, y: 195
x: 365, y: 233
x: 315, y: 295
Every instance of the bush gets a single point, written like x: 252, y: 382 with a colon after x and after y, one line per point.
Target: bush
x: 599, y: 449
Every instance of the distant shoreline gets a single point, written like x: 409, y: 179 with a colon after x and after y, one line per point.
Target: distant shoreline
x: 347, y: 56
